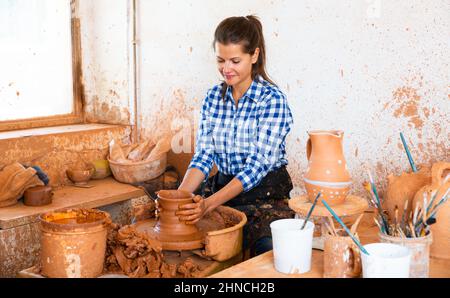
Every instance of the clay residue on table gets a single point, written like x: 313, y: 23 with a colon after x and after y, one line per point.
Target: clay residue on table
x: 136, y: 255
x: 215, y: 220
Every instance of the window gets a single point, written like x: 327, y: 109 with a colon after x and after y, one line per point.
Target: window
x: 39, y: 44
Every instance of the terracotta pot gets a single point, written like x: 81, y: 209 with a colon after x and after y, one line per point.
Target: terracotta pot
x: 341, y: 257
x: 73, y: 243
x: 402, y: 188
x: 80, y: 176
x: 327, y: 170
x: 441, y: 229
x: 173, y: 233
x: 38, y: 196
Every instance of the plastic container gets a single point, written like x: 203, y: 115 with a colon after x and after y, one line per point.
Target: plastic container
x: 73, y: 243
x: 135, y: 172
x: 386, y: 260
x: 420, y: 252
x: 292, y: 247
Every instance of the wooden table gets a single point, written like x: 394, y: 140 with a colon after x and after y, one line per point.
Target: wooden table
x: 262, y: 266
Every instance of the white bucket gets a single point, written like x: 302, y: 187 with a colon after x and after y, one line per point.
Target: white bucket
x: 386, y: 260
x: 292, y: 247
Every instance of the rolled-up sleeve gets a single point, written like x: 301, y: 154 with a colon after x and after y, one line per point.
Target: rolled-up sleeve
x: 204, y: 150
x: 274, y: 124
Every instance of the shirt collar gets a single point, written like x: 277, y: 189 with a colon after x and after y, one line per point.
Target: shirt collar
x: 253, y: 92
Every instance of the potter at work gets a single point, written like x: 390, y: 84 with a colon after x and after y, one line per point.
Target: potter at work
x: 225, y: 139
x: 243, y: 126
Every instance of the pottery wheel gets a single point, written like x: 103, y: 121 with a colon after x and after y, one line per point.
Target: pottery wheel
x: 171, y: 242
x: 351, y: 206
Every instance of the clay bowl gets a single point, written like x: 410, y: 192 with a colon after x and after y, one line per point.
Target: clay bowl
x: 38, y: 196
x: 80, y: 176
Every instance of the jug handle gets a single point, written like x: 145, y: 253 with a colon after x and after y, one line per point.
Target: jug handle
x: 437, y: 170
x: 357, y: 267
x: 308, y: 148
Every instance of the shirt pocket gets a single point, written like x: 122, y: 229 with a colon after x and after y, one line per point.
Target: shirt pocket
x: 246, y: 131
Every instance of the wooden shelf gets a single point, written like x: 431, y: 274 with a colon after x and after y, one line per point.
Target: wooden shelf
x: 104, y: 192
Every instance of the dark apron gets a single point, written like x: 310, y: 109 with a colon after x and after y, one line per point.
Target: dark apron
x: 266, y: 202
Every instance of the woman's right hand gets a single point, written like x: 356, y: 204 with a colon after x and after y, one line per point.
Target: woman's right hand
x: 191, y: 213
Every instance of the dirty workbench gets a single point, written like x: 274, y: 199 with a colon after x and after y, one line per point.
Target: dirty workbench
x: 262, y: 266
x: 207, y: 267
x: 19, y: 230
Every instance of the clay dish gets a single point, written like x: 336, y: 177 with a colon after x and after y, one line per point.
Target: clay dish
x: 38, y: 196
x: 80, y: 176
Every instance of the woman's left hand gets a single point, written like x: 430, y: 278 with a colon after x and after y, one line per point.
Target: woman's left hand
x: 193, y: 212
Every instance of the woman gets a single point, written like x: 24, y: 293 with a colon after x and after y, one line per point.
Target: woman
x: 243, y: 127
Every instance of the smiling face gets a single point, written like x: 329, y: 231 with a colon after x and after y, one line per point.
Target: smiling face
x: 234, y: 65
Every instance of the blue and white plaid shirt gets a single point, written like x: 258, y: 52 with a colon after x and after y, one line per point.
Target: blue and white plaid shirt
x: 248, y: 141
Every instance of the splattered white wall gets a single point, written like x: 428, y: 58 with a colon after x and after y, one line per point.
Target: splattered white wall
x: 371, y: 68
x: 105, y: 60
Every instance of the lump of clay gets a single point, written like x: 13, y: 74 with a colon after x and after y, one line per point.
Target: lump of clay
x: 141, y: 151
x: 132, y: 253
x: 115, y: 152
x: 145, y: 151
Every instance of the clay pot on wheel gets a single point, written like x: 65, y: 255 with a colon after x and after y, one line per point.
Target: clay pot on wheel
x: 440, y: 248
x: 327, y: 170
x: 173, y: 233
x: 404, y: 187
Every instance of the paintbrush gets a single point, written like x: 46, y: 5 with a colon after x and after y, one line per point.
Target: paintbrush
x: 378, y: 224
x: 411, y: 161
x: 345, y: 228
x: 372, y: 199
x: 380, y: 210
x: 332, y: 226
x: 415, y: 214
x: 395, y: 218
x: 413, y: 232
x: 355, y: 225
x: 310, y: 210
x: 330, y: 231
x: 405, y: 207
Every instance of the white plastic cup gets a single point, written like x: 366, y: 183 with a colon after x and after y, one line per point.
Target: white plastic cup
x: 292, y: 247
x: 386, y: 260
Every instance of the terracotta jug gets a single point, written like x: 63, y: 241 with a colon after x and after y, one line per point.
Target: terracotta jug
x: 327, y: 170
x: 440, y: 248
x: 402, y: 188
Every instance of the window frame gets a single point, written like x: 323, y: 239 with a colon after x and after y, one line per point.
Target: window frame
x: 77, y: 116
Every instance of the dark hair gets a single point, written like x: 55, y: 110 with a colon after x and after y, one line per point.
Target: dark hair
x: 248, y: 32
